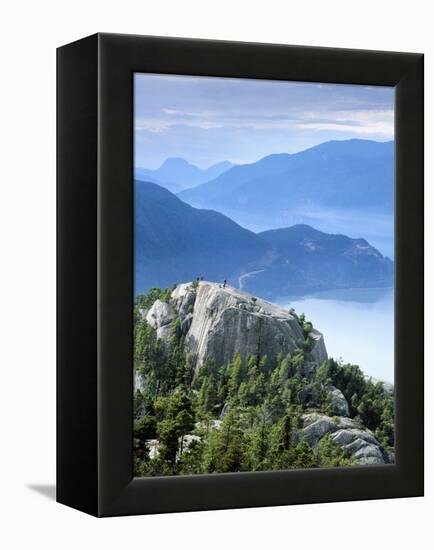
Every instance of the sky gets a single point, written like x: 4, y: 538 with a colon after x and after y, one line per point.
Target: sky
x: 206, y: 120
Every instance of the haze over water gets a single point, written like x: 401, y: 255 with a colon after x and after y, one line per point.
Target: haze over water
x: 357, y: 324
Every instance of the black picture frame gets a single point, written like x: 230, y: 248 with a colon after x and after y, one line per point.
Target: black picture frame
x: 95, y: 274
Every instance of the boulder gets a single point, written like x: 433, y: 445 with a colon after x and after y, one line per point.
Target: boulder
x: 361, y: 444
x: 160, y: 317
x: 347, y: 436
x: 338, y: 402
x: 368, y: 454
x: 339, y: 422
x: 358, y: 443
x: 317, y: 429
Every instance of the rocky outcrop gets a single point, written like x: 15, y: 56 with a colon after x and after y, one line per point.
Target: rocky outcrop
x: 338, y: 402
x: 160, y: 317
x: 220, y: 322
x: 357, y: 442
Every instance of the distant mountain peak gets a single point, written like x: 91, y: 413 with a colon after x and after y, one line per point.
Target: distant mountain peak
x: 176, y: 173
x: 331, y: 185
x: 302, y: 227
x: 357, y: 146
x: 224, y: 164
x: 174, y: 162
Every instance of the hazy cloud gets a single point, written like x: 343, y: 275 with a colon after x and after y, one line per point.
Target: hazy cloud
x: 206, y: 119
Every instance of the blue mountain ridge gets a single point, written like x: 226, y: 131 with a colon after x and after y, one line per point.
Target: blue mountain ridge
x: 282, y: 189
x: 177, y: 174
x: 175, y: 242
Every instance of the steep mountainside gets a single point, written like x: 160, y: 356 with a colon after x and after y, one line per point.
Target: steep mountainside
x: 175, y: 242
x: 176, y: 174
x: 307, y: 260
x: 278, y: 189
x: 143, y: 174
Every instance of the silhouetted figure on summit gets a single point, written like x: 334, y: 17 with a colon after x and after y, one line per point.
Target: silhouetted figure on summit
x: 224, y: 283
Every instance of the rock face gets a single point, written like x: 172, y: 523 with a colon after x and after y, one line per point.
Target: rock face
x: 160, y: 317
x: 358, y: 443
x: 338, y: 402
x: 220, y: 322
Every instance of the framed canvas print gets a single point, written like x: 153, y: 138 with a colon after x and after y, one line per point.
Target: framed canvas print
x: 240, y: 275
